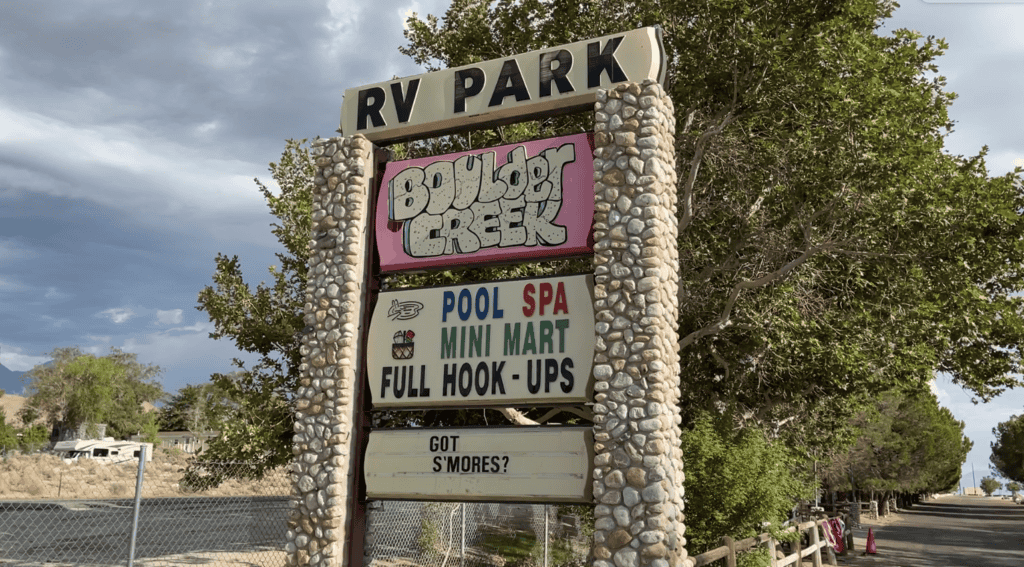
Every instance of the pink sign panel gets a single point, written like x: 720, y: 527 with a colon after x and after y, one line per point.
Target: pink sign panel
x: 511, y: 203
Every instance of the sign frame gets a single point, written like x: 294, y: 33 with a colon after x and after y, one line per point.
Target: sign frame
x: 583, y: 474
x: 580, y: 393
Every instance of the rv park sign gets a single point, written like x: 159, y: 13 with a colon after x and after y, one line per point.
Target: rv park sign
x: 555, y: 80
x: 607, y: 337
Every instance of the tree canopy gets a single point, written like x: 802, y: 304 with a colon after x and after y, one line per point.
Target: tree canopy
x: 197, y: 408
x: 827, y: 244
x: 736, y: 480
x: 266, y: 321
x: 990, y: 485
x: 1008, y: 448
x: 76, y: 389
x: 904, y: 442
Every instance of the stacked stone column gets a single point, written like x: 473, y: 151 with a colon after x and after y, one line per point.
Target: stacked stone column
x: 638, y: 477
x: 324, y: 485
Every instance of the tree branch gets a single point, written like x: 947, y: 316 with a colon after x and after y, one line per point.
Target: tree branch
x: 698, y: 155
x: 516, y: 417
x: 723, y: 321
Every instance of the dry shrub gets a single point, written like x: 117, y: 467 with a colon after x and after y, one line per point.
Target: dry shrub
x: 41, y: 476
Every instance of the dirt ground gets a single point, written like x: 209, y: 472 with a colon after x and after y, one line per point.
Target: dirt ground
x: 47, y: 477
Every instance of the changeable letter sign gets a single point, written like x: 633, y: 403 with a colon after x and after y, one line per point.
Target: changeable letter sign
x: 549, y: 464
x: 521, y: 342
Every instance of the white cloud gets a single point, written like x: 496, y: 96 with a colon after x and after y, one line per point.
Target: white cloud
x: 186, y: 354
x: 172, y: 317
x: 55, y: 322
x: 53, y: 294
x: 118, y: 314
x: 942, y: 395
x: 126, y: 158
x: 8, y: 284
x: 12, y: 250
x: 14, y: 358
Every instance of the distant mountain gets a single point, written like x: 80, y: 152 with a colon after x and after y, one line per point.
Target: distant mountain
x: 10, y: 381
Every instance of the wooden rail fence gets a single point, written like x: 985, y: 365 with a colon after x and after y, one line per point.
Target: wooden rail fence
x: 730, y: 548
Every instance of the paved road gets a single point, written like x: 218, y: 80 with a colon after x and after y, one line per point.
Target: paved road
x: 99, y: 531
x: 953, y: 531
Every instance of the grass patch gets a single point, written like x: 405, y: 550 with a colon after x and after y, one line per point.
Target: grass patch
x: 521, y: 549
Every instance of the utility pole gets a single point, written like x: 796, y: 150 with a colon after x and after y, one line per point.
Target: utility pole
x: 974, y: 478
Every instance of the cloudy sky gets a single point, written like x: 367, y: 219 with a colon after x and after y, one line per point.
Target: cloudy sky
x: 131, y: 131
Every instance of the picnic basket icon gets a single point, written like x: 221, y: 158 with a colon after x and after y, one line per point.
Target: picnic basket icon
x: 403, y: 347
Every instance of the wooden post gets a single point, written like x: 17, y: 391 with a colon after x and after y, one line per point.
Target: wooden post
x: 798, y: 545
x: 848, y: 534
x: 772, y: 546
x: 730, y: 560
x: 815, y: 542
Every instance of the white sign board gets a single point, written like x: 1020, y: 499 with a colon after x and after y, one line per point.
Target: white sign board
x: 542, y: 464
x: 562, y: 78
x: 521, y: 342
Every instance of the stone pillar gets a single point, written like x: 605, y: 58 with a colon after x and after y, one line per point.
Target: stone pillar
x: 325, y: 486
x: 638, y: 469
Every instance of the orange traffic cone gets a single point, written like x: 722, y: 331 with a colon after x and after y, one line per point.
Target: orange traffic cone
x: 871, y: 548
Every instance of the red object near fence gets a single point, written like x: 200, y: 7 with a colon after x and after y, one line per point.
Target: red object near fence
x: 871, y: 548
x: 836, y: 527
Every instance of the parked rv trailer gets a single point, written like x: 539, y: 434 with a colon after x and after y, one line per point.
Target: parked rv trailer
x: 102, y: 450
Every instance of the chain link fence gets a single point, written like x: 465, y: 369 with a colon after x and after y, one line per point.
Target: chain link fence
x: 55, y: 513
x: 435, y: 534
x: 58, y: 513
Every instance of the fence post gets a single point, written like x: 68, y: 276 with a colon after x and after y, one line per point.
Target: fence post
x: 138, y: 499
x: 815, y: 542
x: 546, y: 531
x: 848, y: 534
x: 773, y: 560
x: 730, y: 560
x: 799, y: 544
x: 462, y: 561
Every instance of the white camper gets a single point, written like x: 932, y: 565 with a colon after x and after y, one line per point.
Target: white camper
x: 105, y: 450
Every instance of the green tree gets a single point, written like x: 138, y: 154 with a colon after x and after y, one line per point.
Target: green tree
x: 736, y: 479
x: 1008, y: 448
x: 829, y: 249
x: 76, y: 389
x: 8, y: 435
x: 812, y: 183
x: 34, y: 437
x: 267, y: 321
x: 905, y: 442
x: 990, y: 485
x: 1013, y: 486
x: 199, y: 409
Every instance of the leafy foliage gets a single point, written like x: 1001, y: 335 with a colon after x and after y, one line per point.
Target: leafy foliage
x: 830, y: 251
x: 812, y: 185
x: 990, y: 485
x: 8, y: 434
x: 76, y: 389
x: 34, y: 438
x: 1008, y: 448
x: 736, y: 480
x: 266, y: 321
x: 905, y: 442
x: 198, y: 409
